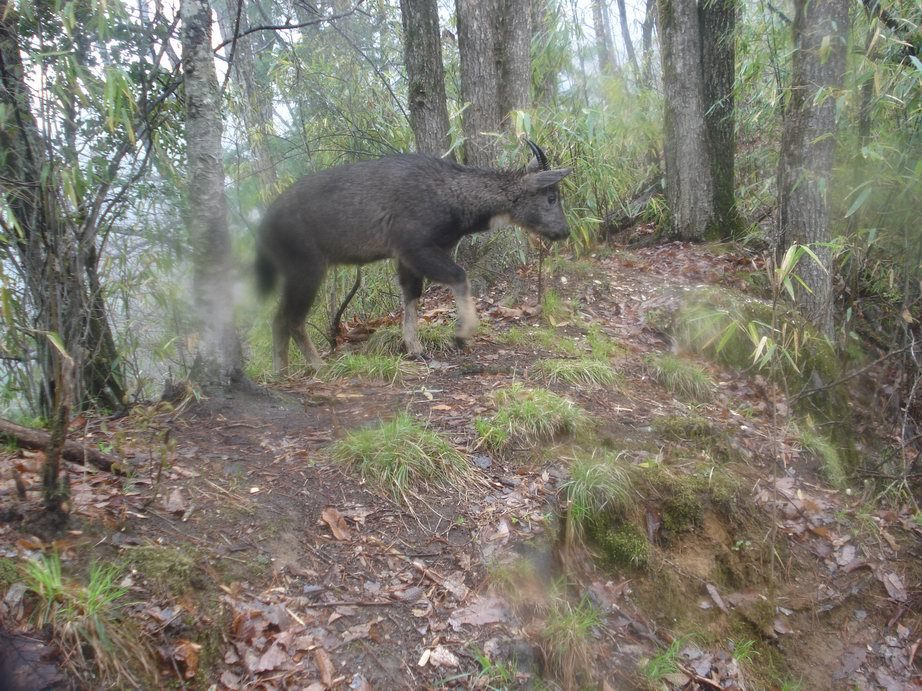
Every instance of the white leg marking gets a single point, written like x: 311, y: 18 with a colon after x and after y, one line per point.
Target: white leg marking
x: 467, y: 314
x: 410, y: 336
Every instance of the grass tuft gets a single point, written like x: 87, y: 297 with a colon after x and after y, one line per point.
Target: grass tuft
x: 528, y: 417
x: 381, y: 367
x: 581, y: 372
x: 541, y: 337
x: 565, y: 640
x: 401, y: 455
x: 87, y: 623
x: 679, y: 377
x: 664, y: 663
x: 596, y: 487
x: 832, y: 465
x: 602, y: 346
x: 388, y: 340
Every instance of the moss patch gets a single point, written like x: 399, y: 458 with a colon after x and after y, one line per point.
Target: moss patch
x: 10, y: 572
x: 168, y: 570
x: 623, y: 545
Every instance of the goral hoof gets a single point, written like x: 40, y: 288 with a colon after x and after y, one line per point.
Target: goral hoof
x: 460, y: 343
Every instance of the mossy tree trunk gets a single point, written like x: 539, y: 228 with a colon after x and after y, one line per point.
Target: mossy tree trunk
x: 422, y: 51
x: 718, y: 59
x: 218, y: 358
x: 689, y: 175
x: 808, y: 145
x: 477, y: 25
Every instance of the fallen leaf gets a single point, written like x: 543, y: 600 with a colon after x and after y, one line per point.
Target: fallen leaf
x: 715, y: 596
x: 186, y: 653
x: 484, y: 610
x: 325, y: 666
x: 443, y: 657
x: 337, y: 523
x: 176, y: 502
x: 894, y: 585
x: 273, y: 658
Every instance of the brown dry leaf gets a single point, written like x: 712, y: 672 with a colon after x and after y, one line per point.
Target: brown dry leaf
x: 230, y: 680
x: 484, y: 610
x: 325, y: 666
x: 443, y: 657
x: 715, y: 596
x: 441, y: 406
x: 176, y: 502
x: 337, y: 523
x: 273, y: 658
x: 894, y: 585
x: 186, y: 653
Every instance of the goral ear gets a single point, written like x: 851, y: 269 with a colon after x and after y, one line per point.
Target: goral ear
x: 545, y: 178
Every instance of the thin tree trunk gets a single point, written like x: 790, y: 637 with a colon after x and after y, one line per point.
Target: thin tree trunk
x: 689, y: 180
x: 545, y: 80
x: 218, y: 358
x: 649, y: 21
x: 422, y: 49
x: 808, y: 146
x: 256, y: 111
x: 605, y: 49
x: 626, y: 36
x: 718, y: 59
x: 477, y: 22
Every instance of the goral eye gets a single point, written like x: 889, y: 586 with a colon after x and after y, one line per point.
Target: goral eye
x: 552, y: 199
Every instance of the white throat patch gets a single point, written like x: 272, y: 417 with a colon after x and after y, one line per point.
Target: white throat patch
x: 500, y: 221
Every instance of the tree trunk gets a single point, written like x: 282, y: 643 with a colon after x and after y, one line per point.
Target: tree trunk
x: 56, y: 254
x: 515, y: 56
x: 477, y: 22
x: 689, y: 181
x: 649, y: 21
x: 808, y: 146
x: 422, y: 51
x: 256, y: 108
x: 605, y: 50
x: 718, y: 59
x: 626, y: 36
x: 218, y: 357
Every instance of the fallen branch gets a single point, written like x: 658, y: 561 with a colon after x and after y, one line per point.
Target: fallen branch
x: 31, y: 438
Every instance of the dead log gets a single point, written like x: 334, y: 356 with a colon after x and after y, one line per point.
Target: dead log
x: 31, y: 438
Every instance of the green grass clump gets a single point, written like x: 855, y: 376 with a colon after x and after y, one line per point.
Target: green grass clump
x: 528, y: 417
x: 664, y: 663
x: 382, y: 367
x: 832, y: 466
x: 679, y: 377
x: 10, y: 572
x: 401, y: 455
x: 597, y: 487
x: 542, y: 337
x: 86, y: 622
x: 388, y: 340
x: 579, y: 372
x: 602, y: 346
x: 554, y: 308
x: 566, y: 639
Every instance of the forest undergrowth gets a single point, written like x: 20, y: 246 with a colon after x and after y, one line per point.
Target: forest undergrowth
x: 589, y: 496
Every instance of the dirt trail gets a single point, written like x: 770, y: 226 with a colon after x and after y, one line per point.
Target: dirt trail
x: 261, y: 564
